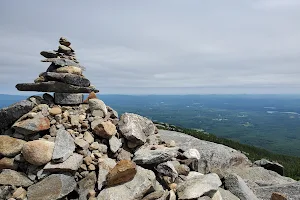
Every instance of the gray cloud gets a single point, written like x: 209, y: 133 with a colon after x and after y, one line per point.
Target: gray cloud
x: 170, y: 46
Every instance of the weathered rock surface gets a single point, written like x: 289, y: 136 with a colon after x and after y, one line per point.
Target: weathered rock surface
x: 216, y: 156
x: 197, y: 186
x: 64, y: 146
x: 159, y: 155
x: 52, y: 187
x: 68, y: 78
x: 123, y: 172
x: 239, y: 188
x: 291, y: 191
x: 10, y: 114
x: 273, y: 166
x: 71, y: 164
x: 68, y: 98
x: 14, y: 178
x: 10, y: 146
x: 143, y: 182
x: 135, y: 127
x: 32, y: 125
x: 258, y: 176
x: 38, y: 152
x: 54, y: 86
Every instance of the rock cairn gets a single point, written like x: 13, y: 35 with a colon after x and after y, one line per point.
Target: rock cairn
x: 63, y: 77
x: 85, y: 151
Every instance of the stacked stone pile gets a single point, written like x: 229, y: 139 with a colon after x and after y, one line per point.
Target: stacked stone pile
x: 63, y: 76
x: 87, y: 152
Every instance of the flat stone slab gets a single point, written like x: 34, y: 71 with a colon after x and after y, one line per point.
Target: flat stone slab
x: 68, y: 98
x: 14, y: 178
x: 72, y: 79
x: 52, y: 187
x: 71, y: 164
x: 63, y: 147
x: 63, y: 62
x: 53, y: 86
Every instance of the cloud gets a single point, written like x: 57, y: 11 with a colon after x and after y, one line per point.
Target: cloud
x: 158, y: 46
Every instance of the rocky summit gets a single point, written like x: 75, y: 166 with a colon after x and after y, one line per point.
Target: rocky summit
x: 61, y: 147
x: 63, y: 76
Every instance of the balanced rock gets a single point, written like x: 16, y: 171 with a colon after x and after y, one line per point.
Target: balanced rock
x: 135, y: 127
x: 14, y: 178
x: 49, y: 54
x: 64, y: 49
x: 38, y: 152
x: 52, y: 187
x: 10, y: 146
x: 64, y: 41
x: 64, y: 146
x: 68, y: 78
x: 62, y: 62
x: 123, y: 172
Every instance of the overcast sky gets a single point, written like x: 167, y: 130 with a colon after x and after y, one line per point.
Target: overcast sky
x: 158, y: 46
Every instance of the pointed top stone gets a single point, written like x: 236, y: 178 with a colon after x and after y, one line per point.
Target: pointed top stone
x: 64, y: 41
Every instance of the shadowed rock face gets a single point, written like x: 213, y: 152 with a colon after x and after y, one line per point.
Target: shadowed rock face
x: 10, y: 114
x: 273, y: 166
